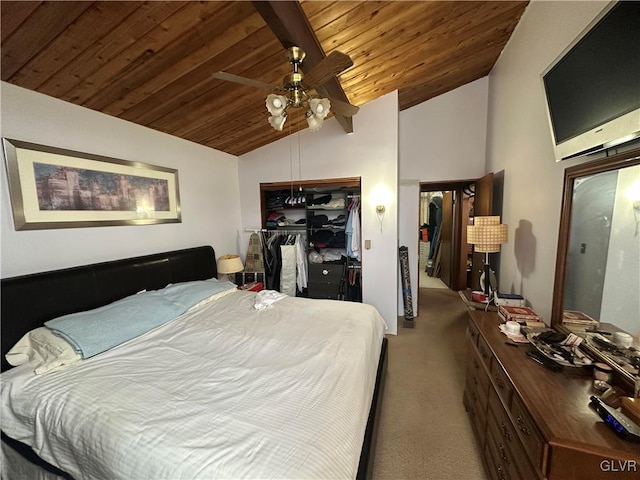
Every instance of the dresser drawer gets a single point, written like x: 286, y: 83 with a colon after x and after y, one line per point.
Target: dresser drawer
x: 529, y: 434
x: 472, y: 332
x: 500, y: 423
x: 503, y: 460
x: 485, y: 353
x: 477, y: 375
x: 325, y: 291
x: 326, y: 272
x: 509, y: 448
x: 477, y: 415
x: 501, y: 382
x: 495, y: 469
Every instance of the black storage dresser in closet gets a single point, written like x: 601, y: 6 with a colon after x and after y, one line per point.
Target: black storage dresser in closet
x: 326, y: 213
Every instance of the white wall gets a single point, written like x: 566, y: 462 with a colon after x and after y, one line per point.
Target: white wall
x: 519, y: 142
x: 208, y: 182
x: 441, y: 139
x: 370, y: 153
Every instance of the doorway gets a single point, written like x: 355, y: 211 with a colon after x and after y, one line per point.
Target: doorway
x: 431, y: 215
x: 446, y: 260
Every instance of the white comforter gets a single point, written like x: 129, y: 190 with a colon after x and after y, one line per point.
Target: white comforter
x: 224, y: 391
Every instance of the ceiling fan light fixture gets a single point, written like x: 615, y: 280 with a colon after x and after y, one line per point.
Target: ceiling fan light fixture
x: 277, y: 121
x: 276, y: 104
x: 319, y: 107
x: 318, y: 110
x: 314, y: 123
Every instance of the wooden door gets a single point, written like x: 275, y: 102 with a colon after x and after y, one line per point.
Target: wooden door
x: 483, y: 206
x: 446, y: 239
x: 465, y: 252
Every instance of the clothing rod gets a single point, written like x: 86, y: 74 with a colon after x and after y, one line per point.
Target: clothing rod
x: 277, y: 230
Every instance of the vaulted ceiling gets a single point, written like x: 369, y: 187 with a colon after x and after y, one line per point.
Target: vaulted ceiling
x: 151, y: 63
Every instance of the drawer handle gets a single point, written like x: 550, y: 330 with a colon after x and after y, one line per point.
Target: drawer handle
x: 325, y: 272
x: 505, y: 431
x: 503, y: 454
x: 499, y: 381
x: 483, y: 352
x: 476, y: 365
x: 500, y: 475
x: 522, y: 426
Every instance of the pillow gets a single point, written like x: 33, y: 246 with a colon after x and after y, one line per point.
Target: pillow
x: 227, y: 288
x: 95, y: 331
x: 45, y: 350
x: 197, y: 293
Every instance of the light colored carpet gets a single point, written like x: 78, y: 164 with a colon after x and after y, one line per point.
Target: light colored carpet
x: 424, y: 280
x: 424, y: 430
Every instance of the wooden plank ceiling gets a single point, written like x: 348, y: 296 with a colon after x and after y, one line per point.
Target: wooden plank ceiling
x: 151, y: 62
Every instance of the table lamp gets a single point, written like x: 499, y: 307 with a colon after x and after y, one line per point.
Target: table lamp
x: 487, y: 234
x: 228, y: 264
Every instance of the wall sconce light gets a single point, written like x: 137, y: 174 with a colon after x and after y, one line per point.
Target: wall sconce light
x: 228, y: 264
x: 380, y: 209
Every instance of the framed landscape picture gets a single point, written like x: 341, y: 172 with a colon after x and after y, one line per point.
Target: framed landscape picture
x: 57, y: 188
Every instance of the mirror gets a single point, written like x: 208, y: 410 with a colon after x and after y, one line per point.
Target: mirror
x: 598, y: 260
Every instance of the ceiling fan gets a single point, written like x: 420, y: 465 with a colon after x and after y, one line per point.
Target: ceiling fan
x: 297, y: 89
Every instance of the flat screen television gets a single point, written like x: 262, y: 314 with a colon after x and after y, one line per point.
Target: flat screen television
x: 593, y: 89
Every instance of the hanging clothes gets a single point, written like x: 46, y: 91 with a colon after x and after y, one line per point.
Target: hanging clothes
x: 435, y: 219
x: 272, y: 262
x: 352, y: 230
x: 282, y: 254
x: 301, y: 262
x: 354, y: 288
x: 288, y: 269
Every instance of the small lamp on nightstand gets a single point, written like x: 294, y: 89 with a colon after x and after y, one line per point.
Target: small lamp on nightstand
x: 228, y: 264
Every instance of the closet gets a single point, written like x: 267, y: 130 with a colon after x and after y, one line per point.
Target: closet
x: 314, y: 226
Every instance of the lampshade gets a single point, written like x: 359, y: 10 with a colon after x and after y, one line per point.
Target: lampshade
x: 276, y: 104
x: 318, y: 110
x: 487, y: 234
x: 277, y: 121
x: 230, y: 264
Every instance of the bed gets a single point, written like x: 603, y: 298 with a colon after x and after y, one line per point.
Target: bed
x: 223, y: 390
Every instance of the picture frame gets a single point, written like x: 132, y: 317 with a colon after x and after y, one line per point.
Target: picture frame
x: 53, y: 187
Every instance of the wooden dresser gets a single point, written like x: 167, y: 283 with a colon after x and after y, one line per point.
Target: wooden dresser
x: 532, y: 423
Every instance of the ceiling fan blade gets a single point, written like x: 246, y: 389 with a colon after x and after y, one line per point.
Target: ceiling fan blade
x: 343, y: 108
x: 330, y: 66
x: 230, y: 77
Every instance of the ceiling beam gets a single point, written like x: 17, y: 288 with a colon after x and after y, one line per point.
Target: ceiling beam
x: 287, y: 21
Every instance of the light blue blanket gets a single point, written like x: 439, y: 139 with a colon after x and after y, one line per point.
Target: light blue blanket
x: 98, y: 330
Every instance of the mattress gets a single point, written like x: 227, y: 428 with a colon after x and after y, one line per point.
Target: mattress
x: 223, y: 391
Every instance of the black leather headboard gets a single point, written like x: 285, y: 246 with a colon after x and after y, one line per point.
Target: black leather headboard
x: 28, y: 301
